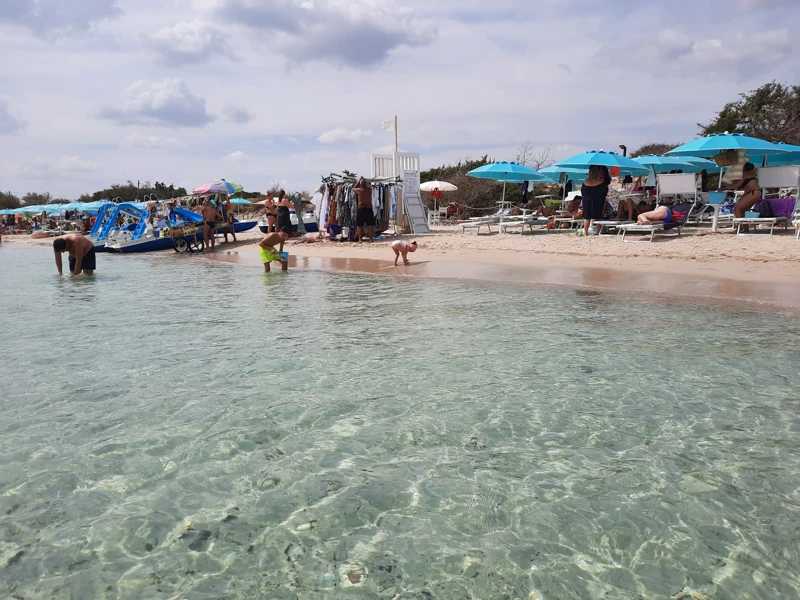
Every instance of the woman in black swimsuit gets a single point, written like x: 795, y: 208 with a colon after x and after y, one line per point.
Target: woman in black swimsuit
x: 752, y: 191
x: 271, y: 212
x: 284, y: 221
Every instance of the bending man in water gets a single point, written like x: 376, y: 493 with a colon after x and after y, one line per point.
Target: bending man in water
x: 268, y: 252
x: 81, y: 254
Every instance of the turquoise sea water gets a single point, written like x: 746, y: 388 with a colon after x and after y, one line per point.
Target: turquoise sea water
x: 176, y: 428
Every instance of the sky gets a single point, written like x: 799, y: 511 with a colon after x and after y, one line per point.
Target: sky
x: 265, y: 92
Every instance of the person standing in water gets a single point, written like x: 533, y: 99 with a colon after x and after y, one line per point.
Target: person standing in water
x: 401, y: 247
x: 82, y: 258
x: 365, y: 218
x: 269, y: 253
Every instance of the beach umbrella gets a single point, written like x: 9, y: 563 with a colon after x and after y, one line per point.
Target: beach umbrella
x: 790, y: 156
x: 703, y: 163
x: 240, y: 201
x: 437, y: 190
x: 576, y: 174
x: 665, y: 164
x: 442, y: 186
x: 215, y: 186
x: 508, y: 172
x: 236, y: 187
x: 716, y: 143
x: 627, y: 166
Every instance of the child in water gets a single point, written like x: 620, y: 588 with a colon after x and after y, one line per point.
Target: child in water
x: 401, y: 247
x: 268, y: 252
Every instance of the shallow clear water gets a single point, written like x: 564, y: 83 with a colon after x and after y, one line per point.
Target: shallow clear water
x: 179, y: 429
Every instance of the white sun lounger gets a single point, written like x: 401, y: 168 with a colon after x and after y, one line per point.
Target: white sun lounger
x: 756, y: 221
x: 522, y: 223
x: 606, y: 225
x: 476, y: 225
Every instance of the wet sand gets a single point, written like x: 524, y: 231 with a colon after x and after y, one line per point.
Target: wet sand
x: 617, y: 277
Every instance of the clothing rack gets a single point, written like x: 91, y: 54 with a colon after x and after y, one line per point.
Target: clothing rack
x: 338, y: 207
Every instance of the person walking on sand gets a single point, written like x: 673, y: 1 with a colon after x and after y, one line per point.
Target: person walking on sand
x: 594, y: 191
x: 82, y: 258
x: 269, y: 253
x: 365, y: 218
x: 210, y: 218
x: 401, y: 247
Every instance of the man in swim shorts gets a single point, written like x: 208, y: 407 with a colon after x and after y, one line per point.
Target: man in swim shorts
x: 210, y: 218
x: 365, y: 218
x: 82, y: 258
x: 269, y: 253
x: 401, y: 247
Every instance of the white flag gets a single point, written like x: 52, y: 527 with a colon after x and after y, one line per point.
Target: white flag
x: 387, y: 125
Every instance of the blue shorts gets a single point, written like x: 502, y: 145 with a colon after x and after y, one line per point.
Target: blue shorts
x: 668, y: 218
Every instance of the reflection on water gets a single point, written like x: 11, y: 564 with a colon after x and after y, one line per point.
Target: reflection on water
x: 211, y: 432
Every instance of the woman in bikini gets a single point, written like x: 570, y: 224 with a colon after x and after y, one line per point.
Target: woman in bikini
x: 752, y: 191
x: 271, y: 212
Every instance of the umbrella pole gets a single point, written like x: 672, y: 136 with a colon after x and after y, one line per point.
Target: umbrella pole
x: 503, y: 203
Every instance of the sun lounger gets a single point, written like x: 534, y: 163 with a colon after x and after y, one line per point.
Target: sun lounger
x: 660, y: 228
x: 606, y: 225
x: 521, y: 222
x: 756, y: 221
x: 784, y: 209
x: 478, y: 224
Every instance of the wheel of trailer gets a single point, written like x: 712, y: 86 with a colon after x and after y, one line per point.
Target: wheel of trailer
x: 180, y: 245
x: 196, y: 245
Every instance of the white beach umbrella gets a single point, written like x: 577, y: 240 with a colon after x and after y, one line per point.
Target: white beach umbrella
x: 442, y: 186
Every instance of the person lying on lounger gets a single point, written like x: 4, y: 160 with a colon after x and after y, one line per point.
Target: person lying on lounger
x: 661, y: 215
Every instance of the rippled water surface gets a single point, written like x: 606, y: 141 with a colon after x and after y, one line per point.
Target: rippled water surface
x: 178, y: 429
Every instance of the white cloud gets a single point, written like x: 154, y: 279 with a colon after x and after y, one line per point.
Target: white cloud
x: 237, y: 156
x: 62, y: 166
x: 8, y: 124
x: 168, y: 102
x: 57, y: 16
x: 340, y: 134
x: 139, y: 140
x: 190, y: 42
x: 359, y: 33
x: 237, y: 114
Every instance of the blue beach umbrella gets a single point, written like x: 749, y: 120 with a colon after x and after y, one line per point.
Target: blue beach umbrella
x: 665, y: 164
x: 508, y: 172
x: 240, y: 201
x: 713, y: 144
x: 627, y: 166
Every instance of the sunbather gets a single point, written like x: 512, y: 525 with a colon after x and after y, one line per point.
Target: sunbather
x: 661, y: 215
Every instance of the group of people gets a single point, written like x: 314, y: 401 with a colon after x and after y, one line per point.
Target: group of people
x: 213, y: 215
x: 592, y: 202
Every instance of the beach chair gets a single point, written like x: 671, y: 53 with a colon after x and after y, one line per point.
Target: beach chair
x: 523, y: 222
x: 603, y: 227
x: 478, y: 222
x: 785, y: 210
x: 685, y: 208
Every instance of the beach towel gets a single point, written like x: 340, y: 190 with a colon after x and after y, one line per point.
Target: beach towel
x: 781, y: 207
x: 735, y: 173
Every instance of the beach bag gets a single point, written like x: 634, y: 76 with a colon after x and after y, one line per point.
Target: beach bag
x: 726, y: 158
x: 765, y: 210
